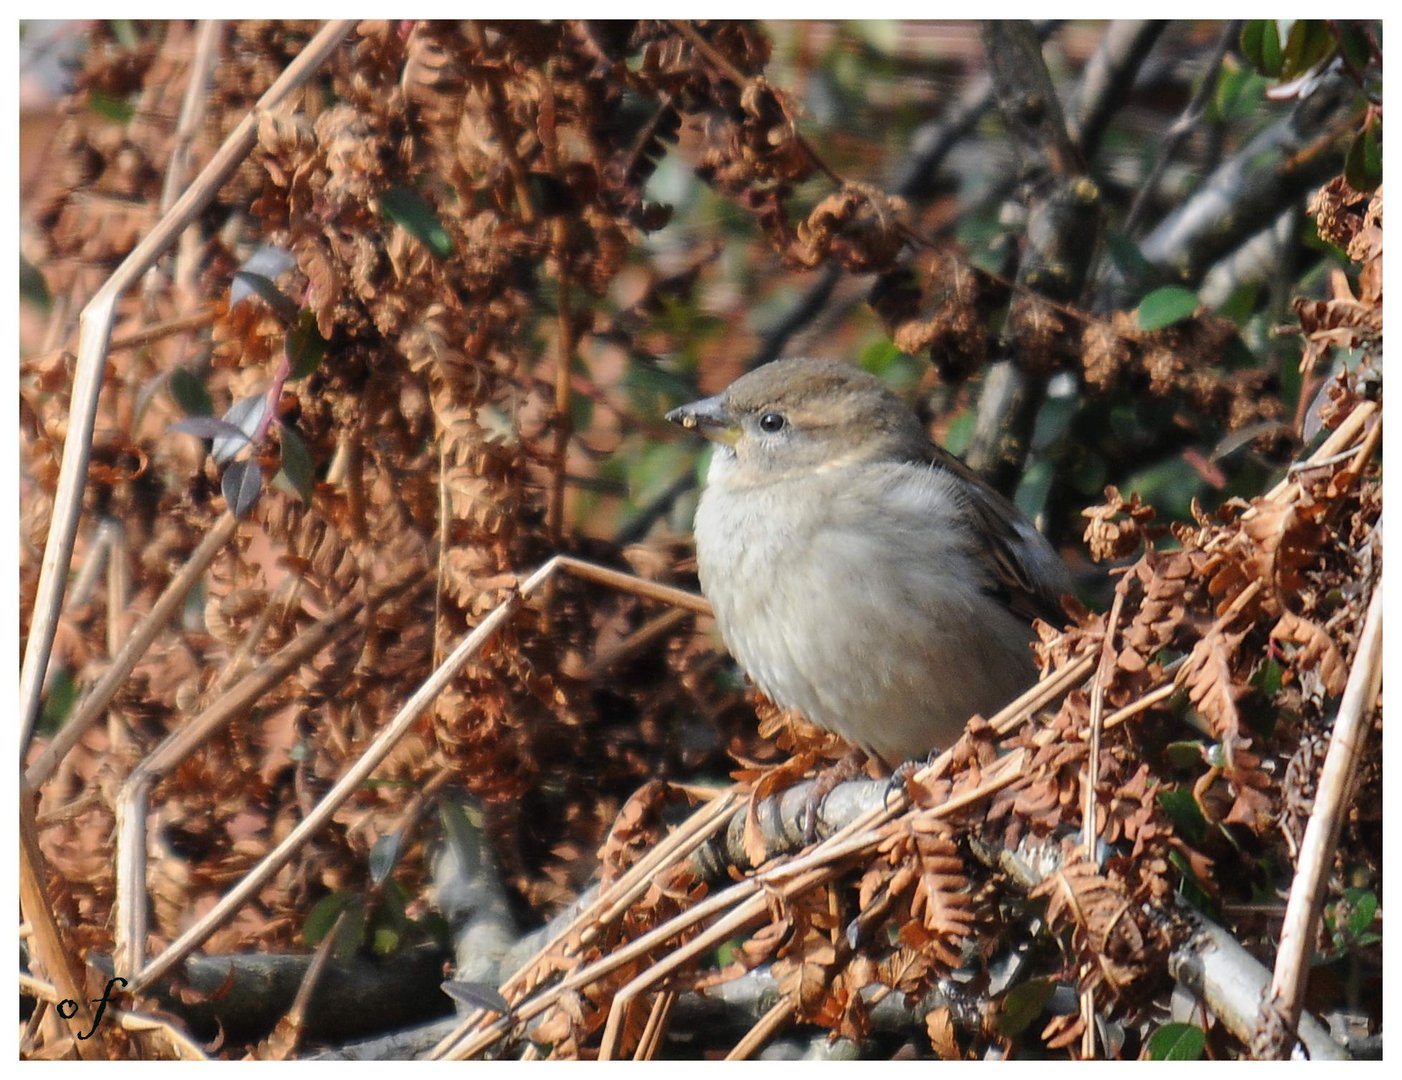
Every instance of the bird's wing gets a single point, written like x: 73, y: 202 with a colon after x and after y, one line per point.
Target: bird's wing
x: 1026, y: 572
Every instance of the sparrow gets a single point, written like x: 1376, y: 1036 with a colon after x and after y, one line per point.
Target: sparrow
x: 860, y: 574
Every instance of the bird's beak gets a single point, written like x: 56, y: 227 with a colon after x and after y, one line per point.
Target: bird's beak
x: 710, y: 418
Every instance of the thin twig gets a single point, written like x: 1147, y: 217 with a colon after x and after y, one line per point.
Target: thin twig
x: 763, y: 1030
x: 135, y: 339
x: 129, y: 908
x: 1089, y: 828
x: 656, y: 1026
x: 192, y: 109
x: 1346, y: 742
x: 49, y: 955
x: 564, y: 360
x: 100, y: 696
x: 1186, y: 123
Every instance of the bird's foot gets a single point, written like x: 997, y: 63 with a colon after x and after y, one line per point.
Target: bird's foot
x: 848, y: 768
x: 904, y: 773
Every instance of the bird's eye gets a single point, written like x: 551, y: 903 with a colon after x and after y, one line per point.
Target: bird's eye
x: 772, y: 422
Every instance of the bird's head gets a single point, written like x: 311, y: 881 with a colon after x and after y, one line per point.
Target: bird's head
x: 797, y: 416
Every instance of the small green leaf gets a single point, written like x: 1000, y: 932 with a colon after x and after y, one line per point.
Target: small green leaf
x: 1363, y: 164
x: 1035, y: 487
x: 1184, y: 754
x: 246, y: 414
x: 207, y: 427
x: 1354, y: 46
x: 1023, y: 1004
x: 189, y: 393
x: 581, y: 412
x: 1363, y: 906
x: 1269, y: 677
x: 961, y: 432
x: 1308, y: 43
x: 242, y: 484
x: 33, y: 289
x: 1240, y: 90
x: 110, y: 108
x: 645, y: 377
x: 1177, y: 1042
x: 478, y: 995
x: 1182, y: 809
x: 322, y: 917
x: 1128, y: 258
x: 383, y: 855
x: 59, y: 701
x: 306, y: 348
x: 352, y: 931
x: 410, y: 211
x: 385, y: 940
x: 124, y: 30
x: 1260, y: 44
x: 297, y: 465
x: 1166, y: 306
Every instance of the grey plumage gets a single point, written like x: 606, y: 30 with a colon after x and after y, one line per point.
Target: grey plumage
x: 860, y: 574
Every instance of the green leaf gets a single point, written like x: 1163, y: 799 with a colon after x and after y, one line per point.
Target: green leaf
x: 1260, y: 44
x: 59, y: 701
x: 1166, y: 306
x: 1363, y: 164
x: 297, y: 466
x: 242, y: 484
x: 394, y: 907
x: 124, y: 30
x: 207, y: 427
x: 189, y: 393
x: 478, y: 995
x: 648, y: 378
x: 1354, y: 45
x: 1363, y: 906
x: 1034, y: 488
x: 961, y: 432
x: 1184, y: 754
x: 110, y: 108
x: 246, y: 414
x: 581, y: 412
x: 1308, y: 43
x: 1177, y: 1042
x: 410, y: 211
x: 385, y: 940
x: 383, y: 855
x: 306, y: 348
x: 1190, y: 888
x: 462, y: 830
x: 1268, y: 677
x: 323, y: 915
x: 1023, y: 1004
x: 1182, y: 809
x: 33, y: 289
x: 1240, y: 91
x: 1127, y: 258
x: 352, y: 931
